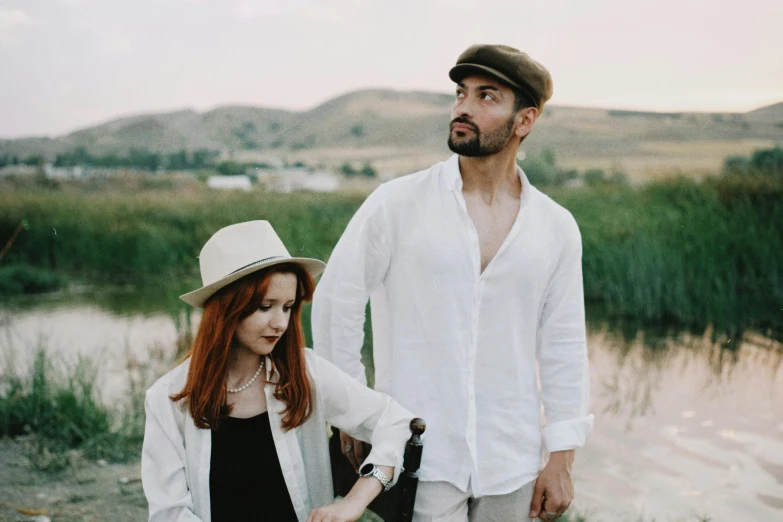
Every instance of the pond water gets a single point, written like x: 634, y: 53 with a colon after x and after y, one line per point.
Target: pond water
x: 685, y: 427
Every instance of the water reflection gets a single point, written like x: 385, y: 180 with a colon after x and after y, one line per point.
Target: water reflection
x: 686, y: 424
x: 127, y: 349
x: 685, y: 427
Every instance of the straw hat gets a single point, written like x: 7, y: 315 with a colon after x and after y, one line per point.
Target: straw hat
x: 238, y: 250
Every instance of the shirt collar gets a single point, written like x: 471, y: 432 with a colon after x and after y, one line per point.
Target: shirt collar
x: 451, y: 179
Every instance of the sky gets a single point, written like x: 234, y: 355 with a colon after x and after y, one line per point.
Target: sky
x: 68, y: 64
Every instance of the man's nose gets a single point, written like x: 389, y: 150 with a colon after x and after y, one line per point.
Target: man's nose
x: 463, y: 109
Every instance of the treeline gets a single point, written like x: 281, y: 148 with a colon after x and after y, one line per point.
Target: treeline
x: 542, y: 170
x: 32, y: 160
x: 763, y: 162
x: 140, y: 159
x: 143, y: 159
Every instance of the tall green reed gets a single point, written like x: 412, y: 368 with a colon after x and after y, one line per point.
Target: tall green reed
x: 58, y: 409
x: 672, y: 252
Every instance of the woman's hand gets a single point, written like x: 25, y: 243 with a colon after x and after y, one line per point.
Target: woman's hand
x: 344, y: 510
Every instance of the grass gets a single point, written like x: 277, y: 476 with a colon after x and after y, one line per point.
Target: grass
x: 59, y: 411
x: 26, y: 279
x: 684, y: 253
x: 672, y: 252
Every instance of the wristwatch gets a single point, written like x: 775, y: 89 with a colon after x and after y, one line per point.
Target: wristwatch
x: 370, y: 470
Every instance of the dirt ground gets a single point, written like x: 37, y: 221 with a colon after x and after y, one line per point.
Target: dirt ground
x: 87, y: 492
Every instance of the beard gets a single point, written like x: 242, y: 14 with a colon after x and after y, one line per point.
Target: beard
x: 480, y: 145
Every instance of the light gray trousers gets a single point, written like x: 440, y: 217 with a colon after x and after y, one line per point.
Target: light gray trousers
x: 444, y: 502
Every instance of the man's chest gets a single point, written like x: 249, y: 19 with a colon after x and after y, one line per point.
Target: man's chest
x: 493, y: 224
x: 441, y: 253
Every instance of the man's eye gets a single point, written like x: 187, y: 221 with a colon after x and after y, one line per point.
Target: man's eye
x: 460, y: 94
x: 486, y: 96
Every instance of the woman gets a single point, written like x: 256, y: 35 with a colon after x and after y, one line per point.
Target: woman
x: 238, y: 430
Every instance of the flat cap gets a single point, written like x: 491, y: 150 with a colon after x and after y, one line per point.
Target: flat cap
x: 508, y: 65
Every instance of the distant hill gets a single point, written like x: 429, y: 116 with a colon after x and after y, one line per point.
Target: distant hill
x: 401, y: 131
x: 768, y: 114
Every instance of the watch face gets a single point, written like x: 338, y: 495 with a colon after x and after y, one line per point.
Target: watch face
x: 366, y: 469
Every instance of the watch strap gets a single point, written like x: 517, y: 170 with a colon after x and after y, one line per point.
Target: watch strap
x: 381, y: 476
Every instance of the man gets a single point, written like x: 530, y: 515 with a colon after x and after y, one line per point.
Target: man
x: 475, y: 282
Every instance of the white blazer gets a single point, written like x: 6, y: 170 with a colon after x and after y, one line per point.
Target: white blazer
x: 175, y: 460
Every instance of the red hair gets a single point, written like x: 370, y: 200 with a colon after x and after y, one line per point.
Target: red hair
x: 205, y: 388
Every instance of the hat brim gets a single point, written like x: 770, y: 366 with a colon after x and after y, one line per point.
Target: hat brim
x: 197, y: 298
x: 458, y: 72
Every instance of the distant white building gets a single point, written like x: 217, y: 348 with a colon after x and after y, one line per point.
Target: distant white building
x: 298, y: 179
x: 53, y: 172
x: 241, y: 182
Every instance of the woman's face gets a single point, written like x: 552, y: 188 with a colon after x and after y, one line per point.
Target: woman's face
x: 260, y: 331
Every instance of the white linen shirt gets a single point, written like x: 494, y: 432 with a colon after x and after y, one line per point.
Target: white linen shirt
x: 462, y: 348
x: 175, y: 460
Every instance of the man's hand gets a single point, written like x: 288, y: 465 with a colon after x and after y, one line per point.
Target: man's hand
x: 554, y: 489
x: 353, y: 449
x: 344, y: 510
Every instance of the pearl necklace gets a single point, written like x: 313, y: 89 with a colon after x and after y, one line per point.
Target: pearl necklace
x: 248, y: 383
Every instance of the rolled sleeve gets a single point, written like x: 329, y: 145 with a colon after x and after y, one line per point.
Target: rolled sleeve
x: 568, y: 435
x: 364, y: 414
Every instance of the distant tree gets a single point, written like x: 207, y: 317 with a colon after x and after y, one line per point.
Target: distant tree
x: 274, y: 126
x: 143, y: 159
x: 594, y: 177
x: 33, y: 160
x: 109, y: 161
x: 368, y: 171
x: 764, y: 162
x: 77, y: 156
x: 767, y: 161
x: 736, y: 165
x: 3, y: 161
x: 540, y: 168
x: 348, y: 170
x: 177, y: 160
x: 564, y: 176
x: 203, y: 158
x: 357, y: 130
x: 231, y: 168
x: 619, y: 178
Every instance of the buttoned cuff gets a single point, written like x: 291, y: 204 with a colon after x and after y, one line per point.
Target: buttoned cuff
x: 568, y: 434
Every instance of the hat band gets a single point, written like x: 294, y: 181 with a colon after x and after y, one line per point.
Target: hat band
x: 256, y: 263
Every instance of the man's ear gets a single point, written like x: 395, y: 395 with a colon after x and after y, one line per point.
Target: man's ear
x: 525, y: 119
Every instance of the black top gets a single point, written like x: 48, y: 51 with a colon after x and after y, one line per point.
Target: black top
x: 245, y: 479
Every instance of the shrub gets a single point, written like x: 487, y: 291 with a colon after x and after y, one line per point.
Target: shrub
x: 25, y: 279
